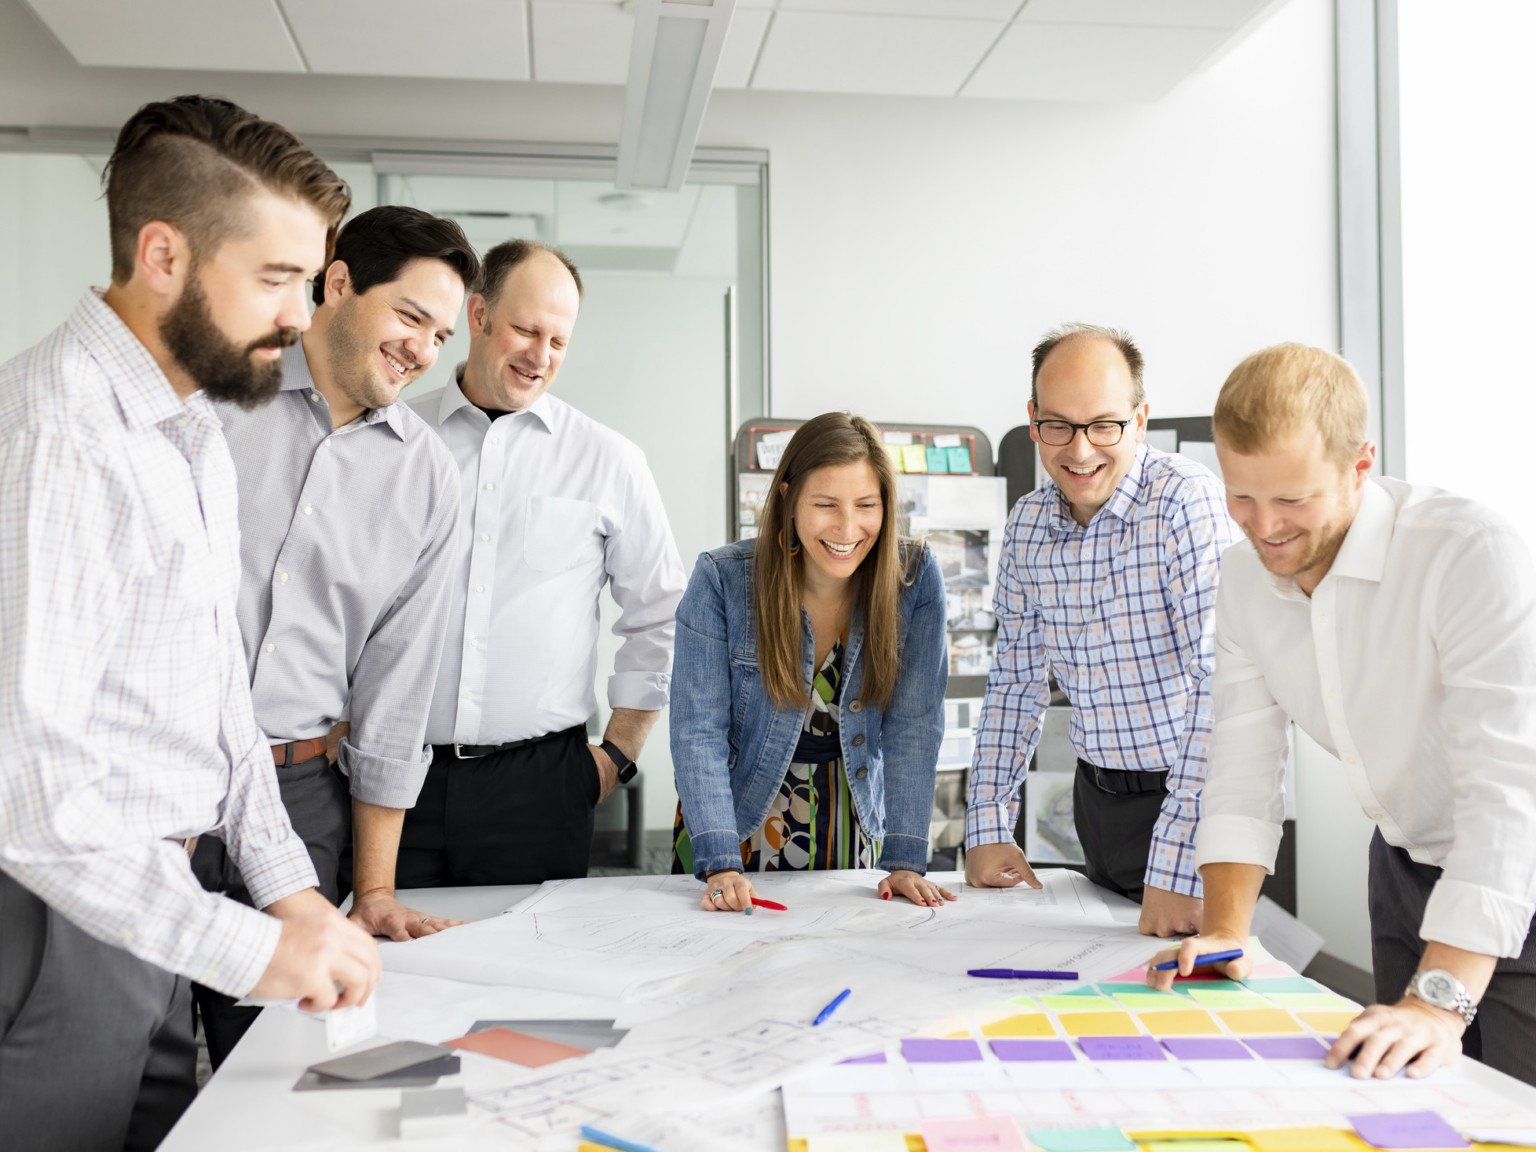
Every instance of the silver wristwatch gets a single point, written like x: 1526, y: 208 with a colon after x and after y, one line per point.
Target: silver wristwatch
x: 1438, y: 988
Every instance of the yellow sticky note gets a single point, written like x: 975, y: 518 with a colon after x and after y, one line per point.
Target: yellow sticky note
x: 1080, y: 1004
x: 966, y: 1035
x: 1180, y: 1024
x: 1021, y: 1025
x: 1329, y: 1023
x: 1304, y: 1140
x: 1261, y: 1021
x: 1099, y: 1024
x: 914, y: 458
x: 1188, y: 1145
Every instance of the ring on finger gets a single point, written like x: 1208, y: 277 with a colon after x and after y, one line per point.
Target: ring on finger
x: 716, y: 893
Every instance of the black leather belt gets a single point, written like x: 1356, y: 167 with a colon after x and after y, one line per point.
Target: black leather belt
x: 1124, y: 782
x: 476, y: 751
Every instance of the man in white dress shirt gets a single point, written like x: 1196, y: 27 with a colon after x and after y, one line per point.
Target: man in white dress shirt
x: 125, y: 716
x: 555, y: 506
x: 1396, y: 625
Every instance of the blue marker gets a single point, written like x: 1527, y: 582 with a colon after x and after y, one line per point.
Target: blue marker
x: 1208, y: 958
x: 832, y: 1007
x: 597, y: 1136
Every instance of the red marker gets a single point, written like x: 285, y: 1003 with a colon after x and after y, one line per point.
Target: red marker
x: 769, y: 904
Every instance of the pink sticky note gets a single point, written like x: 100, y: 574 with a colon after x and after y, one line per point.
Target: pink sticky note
x: 1130, y: 976
x: 974, y: 1134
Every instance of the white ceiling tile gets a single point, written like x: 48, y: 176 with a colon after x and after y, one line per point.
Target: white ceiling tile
x: 592, y: 213
x: 951, y: 9
x: 1168, y: 13
x: 218, y: 35
x: 1094, y: 62
x: 364, y: 37
x: 743, y: 40
x: 886, y: 55
x: 581, y: 43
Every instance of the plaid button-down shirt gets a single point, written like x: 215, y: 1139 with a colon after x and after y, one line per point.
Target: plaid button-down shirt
x: 125, y: 716
x: 1123, y: 612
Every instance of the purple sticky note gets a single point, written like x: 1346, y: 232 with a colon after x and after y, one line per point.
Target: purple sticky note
x: 1206, y: 1048
x: 1289, y: 1048
x: 1407, y: 1130
x: 1012, y: 1050
x: 872, y: 1058
x: 1121, y: 1048
x: 939, y: 1051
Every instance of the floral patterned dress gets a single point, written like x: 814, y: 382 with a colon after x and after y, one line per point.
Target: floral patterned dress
x: 811, y: 822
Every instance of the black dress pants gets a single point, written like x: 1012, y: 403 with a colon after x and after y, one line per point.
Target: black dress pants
x: 1504, y: 1033
x: 96, y: 1051
x: 1115, y: 827
x: 522, y: 816
x: 319, y: 805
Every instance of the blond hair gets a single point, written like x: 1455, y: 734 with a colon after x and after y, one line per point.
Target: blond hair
x: 828, y: 440
x: 1290, y: 389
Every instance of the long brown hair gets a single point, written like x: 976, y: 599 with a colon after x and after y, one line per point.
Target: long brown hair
x: 831, y: 439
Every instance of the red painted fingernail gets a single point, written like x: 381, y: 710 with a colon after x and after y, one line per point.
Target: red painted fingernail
x: 885, y: 895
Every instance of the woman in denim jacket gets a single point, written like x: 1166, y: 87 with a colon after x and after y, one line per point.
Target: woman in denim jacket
x: 808, y: 682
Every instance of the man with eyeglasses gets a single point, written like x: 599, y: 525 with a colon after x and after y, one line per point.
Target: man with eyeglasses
x: 1108, y: 579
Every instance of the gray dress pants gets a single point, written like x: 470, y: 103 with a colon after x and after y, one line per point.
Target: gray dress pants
x: 96, y: 1050
x: 1504, y: 1033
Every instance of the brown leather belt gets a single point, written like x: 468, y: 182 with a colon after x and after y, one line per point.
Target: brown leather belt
x: 297, y: 751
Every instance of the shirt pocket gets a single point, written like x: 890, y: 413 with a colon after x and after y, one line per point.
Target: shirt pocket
x: 561, y: 533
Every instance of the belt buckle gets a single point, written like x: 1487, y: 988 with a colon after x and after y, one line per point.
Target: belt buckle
x: 459, y: 754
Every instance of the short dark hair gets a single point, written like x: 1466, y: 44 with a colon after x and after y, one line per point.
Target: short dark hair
x: 192, y: 161
x: 507, y: 255
x: 375, y: 245
x: 1119, y: 337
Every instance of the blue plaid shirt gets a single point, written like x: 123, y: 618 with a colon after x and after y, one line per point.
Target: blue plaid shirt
x: 1124, y: 612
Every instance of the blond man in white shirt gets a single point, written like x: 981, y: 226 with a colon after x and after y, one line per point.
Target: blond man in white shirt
x: 1396, y: 625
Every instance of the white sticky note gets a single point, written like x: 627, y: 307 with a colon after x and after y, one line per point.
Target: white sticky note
x: 345, y: 1027
x: 947, y: 441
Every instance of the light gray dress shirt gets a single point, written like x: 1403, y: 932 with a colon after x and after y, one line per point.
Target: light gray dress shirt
x: 555, y: 506
x: 125, y: 715
x: 346, y: 548
x: 1413, y: 662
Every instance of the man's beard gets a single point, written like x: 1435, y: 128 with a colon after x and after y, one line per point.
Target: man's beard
x: 222, y: 369
x: 354, y: 364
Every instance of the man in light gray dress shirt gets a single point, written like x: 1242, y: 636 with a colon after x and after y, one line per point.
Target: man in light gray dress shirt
x: 348, y: 509
x: 556, y: 507
x: 125, y: 717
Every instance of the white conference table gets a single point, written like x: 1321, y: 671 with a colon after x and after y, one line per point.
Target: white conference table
x: 250, y: 1105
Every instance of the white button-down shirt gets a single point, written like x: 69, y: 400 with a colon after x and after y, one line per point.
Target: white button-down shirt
x: 347, y: 541
x: 1413, y: 662
x: 554, y: 506
x: 125, y: 716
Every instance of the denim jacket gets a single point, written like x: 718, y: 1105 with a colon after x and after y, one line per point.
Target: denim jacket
x: 731, y: 747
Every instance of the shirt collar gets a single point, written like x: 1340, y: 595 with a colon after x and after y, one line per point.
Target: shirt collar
x: 297, y: 376
x: 144, y: 395
x: 1125, y: 503
x: 454, y: 399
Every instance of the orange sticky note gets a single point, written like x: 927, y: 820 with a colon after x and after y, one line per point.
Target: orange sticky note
x: 1099, y: 1024
x: 1180, y: 1024
x: 515, y: 1047
x: 1329, y: 1023
x: 1035, y: 1024
x: 1260, y: 1021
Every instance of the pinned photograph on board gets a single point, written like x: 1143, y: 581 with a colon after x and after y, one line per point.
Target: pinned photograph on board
x: 751, y: 494
x: 1050, y: 836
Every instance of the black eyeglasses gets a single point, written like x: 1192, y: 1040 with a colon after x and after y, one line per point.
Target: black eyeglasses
x: 1101, y: 433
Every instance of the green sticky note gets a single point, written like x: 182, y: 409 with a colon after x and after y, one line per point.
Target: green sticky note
x: 1114, y: 989
x: 959, y: 460
x: 1085, y: 990
x: 1079, y: 1003
x: 1283, y: 984
x: 1188, y: 986
x: 938, y: 460
x: 1151, y: 1001
x: 1319, y: 1000
x: 1028, y: 1003
x: 1081, y: 1140
x: 1221, y: 999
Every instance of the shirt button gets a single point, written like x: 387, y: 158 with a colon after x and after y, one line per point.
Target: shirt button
x: 490, y: 486
x: 862, y: 772
x: 308, y: 508
x: 1322, y: 620
x: 479, y: 587
x: 857, y: 740
x: 314, y: 397
x: 1332, y: 695
x: 282, y: 577
x: 475, y: 642
x: 269, y: 648
x: 485, y: 537
x: 856, y: 706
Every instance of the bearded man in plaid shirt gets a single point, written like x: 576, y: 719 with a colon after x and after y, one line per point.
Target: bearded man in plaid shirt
x: 1108, y: 579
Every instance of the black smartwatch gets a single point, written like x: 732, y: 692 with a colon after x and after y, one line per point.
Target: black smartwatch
x: 627, y: 767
